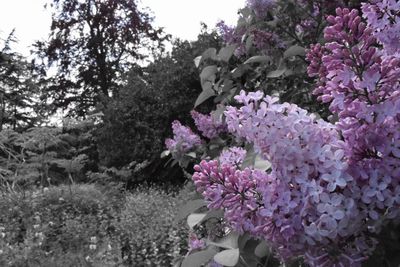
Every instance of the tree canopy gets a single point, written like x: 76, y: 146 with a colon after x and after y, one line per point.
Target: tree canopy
x: 92, y: 44
x: 18, y: 90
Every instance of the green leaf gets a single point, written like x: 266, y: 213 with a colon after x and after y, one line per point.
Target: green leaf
x: 197, y: 61
x: 218, y: 113
x: 203, y: 96
x: 294, y: 50
x: 246, y: 11
x: 195, y: 218
x: 273, y: 23
x: 208, y: 72
x: 190, y: 207
x: 226, y: 53
x: 198, y: 259
x: 229, y: 257
x: 165, y: 153
x: 228, y: 84
x: 262, y: 250
x: 191, y: 154
x: 213, y: 214
x: 209, y: 53
x: 249, y: 43
x: 230, y: 241
x: 207, y: 86
x: 276, y: 73
x: 257, y: 59
x: 261, y: 164
x: 243, y: 239
x: 250, y: 157
x: 240, y: 70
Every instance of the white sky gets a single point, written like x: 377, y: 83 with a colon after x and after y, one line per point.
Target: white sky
x: 181, y: 18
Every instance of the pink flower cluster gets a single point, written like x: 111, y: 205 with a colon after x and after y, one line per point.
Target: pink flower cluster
x: 208, y: 125
x: 360, y: 78
x: 195, y: 243
x: 184, y: 140
x: 233, y: 36
x: 384, y: 17
x: 306, y: 204
x: 261, y: 7
x: 266, y: 41
x: 232, y: 156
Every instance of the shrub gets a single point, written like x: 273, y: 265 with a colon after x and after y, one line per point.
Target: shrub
x: 55, y: 226
x: 88, y: 225
x: 147, y: 228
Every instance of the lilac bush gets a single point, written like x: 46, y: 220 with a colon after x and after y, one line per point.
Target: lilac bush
x: 305, y: 205
x: 362, y: 84
x: 332, y: 186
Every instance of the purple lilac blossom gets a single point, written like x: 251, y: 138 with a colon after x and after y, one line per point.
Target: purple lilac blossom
x: 306, y: 202
x: 184, y: 140
x: 361, y: 81
x: 208, y: 125
x: 233, y: 36
x: 195, y: 243
x: 232, y: 156
x: 384, y: 18
x: 260, y: 7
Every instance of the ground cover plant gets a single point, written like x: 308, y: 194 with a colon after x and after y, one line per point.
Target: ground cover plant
x: 89, y: 225
x: 289, y: 184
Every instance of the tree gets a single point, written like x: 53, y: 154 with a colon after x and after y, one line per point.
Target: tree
x: 18, y: 104
x: 92, y: 44
x: 135, y: 122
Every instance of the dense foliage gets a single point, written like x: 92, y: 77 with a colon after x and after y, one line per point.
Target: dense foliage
x: 135, y: 122
x: 88, y: 225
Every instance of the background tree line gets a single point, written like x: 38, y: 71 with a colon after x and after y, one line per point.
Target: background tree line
x: 91, y: 70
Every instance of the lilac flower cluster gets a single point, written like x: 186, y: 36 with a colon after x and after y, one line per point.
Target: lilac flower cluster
x: 229, y: 34
x: 361, y: 81
x: 184, y: 140
x: 232, y: 156
x: 208, y: 125
x: 305, y: 205
x: 195, y: 243
x: 266, y: 41
x: 260, y: 7
x: 233, y: 36
x: 384, y: 17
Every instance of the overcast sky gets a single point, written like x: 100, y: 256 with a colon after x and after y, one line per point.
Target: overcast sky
x: 181, y: 18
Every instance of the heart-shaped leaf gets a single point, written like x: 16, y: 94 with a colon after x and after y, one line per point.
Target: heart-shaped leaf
x: 195, y: 218
x: 229, y: 257
x: 199, y: 258
x: 190, y: 207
